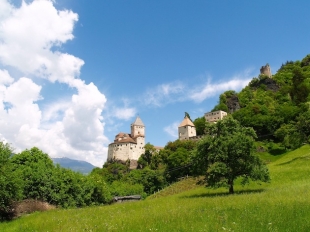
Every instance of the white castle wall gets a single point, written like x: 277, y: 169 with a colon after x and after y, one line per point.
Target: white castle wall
x: 185, y: 132
x: 215, y: 116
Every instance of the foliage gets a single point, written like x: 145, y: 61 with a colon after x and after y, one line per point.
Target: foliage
x: 226, y: 153
x: 10, y: 183
x: 268, y: 103
x: 37, y: 171
x: 122, y: 188
x: 300, y: 87
x: 151, y: 180
x: 149, y: 158
x: 112, y: 171
x: 177, y: 157
x: 42, y: 180
x: 295, y: 133
x: 187, y: 115
x: 200, y: 125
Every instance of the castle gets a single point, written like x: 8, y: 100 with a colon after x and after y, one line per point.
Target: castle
x: 129, y: 147
x: 265, y: 70
x: 213, y: 117
x: 187, y: 129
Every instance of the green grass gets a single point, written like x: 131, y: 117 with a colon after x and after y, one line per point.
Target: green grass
x: 177, y: 187
x: 282, y: 205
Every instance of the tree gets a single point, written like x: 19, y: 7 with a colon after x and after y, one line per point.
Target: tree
x: 200, y: 124
x: 37, y: 170
x: 226, y: 153
x: 10, y: 183
x: 151, y: 180
x: 187, y: 115
x: 147, y: 158
x: 300, y: 88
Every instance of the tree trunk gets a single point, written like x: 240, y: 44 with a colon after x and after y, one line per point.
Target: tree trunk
x: 231, y: 186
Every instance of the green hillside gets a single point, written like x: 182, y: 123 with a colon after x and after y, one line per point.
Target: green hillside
x: 276, y: 107
x: 281, y: 205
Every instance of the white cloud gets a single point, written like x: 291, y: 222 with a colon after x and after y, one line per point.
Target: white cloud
x: 124, y: 113
x: 168, y: 93
x: 209, y: 89
x: 164, y: 94
x: 28, y: 36
x: 172, y: 129
x: 29, y: 40
x: 5, y: 77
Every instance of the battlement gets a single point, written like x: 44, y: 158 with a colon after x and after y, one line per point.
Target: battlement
x: 265, y: 70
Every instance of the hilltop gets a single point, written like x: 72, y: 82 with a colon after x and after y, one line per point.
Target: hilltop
x: 276, y: 106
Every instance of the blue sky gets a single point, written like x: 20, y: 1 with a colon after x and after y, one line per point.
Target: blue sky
x: 73, y: 74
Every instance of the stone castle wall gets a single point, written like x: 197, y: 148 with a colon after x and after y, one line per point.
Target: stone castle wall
x: 125, y: 151
x: 265, y: 70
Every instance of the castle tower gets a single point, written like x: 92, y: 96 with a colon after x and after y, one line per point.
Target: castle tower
x: 186, y: 129
x: 138, y: 134
x: 137, y: 128
x: 265, y: 70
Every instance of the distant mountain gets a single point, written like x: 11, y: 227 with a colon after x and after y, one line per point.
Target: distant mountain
x: 75, y: 165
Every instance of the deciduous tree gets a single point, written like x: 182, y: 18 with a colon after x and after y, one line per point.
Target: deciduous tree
x: 10, y: 183
x: 226, y: 153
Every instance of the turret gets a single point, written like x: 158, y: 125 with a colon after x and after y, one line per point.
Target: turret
x: 186, y: 129
x: 265, y: 70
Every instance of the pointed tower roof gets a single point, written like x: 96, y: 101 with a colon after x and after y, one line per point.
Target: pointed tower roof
x: 138, y: 122
x: 186, y: 122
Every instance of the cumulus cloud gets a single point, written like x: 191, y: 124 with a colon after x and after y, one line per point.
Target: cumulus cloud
x: 5, y: 77
x: 172, y: 129
x: 30, y: 38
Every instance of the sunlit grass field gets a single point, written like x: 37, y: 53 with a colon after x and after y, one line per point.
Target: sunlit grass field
x: 282, y: 205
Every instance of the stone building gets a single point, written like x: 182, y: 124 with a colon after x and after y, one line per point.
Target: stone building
x: 265, y: 70
x: 129, y: 146
x: 186, y: 129
x: 213, y: 117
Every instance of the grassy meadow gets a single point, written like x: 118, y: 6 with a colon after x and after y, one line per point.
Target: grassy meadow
x: 282, y: 205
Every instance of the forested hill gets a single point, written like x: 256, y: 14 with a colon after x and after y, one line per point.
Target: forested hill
x: 277, y: 107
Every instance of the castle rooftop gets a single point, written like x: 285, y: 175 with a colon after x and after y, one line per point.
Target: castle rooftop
x: 138, y: 122
x: 186, y: 122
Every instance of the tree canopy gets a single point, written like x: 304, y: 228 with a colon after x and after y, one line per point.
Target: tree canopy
x: 226, y: 153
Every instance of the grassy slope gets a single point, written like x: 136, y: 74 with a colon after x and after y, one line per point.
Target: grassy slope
x: 282, y: 205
